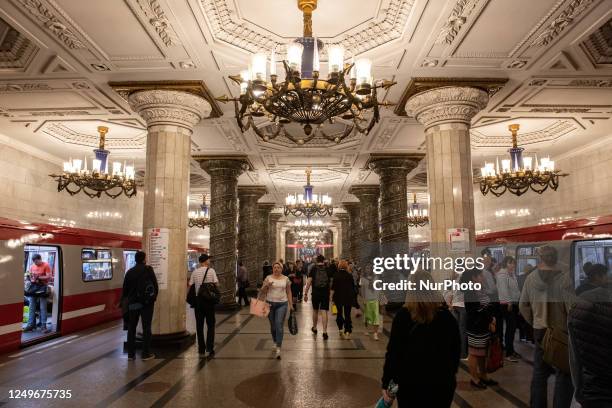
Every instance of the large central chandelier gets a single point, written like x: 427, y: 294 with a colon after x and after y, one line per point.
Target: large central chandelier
x: 308, y: 204
x: 417, y: 215
x: 200, y: 218
x: 77, y: 177
x: 304, y: 97
x: 519, y: 174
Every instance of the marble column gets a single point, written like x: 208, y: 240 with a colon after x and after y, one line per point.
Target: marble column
x: 249, y: 244
x: 392, y: 171
x: 224, y: 174
x: 345, y: 244
x: 289, y: 240
x: 352, y: 208
x: 170, y: 117
x: 369, y: 239
x: 446, y: 113
x: 273, y: 254
x: 265, y: 237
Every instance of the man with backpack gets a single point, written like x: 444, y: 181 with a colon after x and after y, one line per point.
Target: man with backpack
x: 320, y: 280
x: 204, y: 308
x: 139, y: 293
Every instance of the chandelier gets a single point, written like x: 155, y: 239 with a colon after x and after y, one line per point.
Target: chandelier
x: 417, y: 215
x: 201, y: 217
x: 304, y: 97
x: 519, y: 174
x: 76, y: 176
x: 308, y: 204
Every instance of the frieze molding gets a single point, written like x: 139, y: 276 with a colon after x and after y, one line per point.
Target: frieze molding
x: 457, y: 18
x: 573, y: 10
x: 16, y: 50
x: 555, y: 130
x: 66, y: 135
x: 52, y: 23
x: 226, y: 27
x: 159, y: 21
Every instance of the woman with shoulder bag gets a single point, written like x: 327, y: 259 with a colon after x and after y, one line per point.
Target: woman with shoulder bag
x: 277, y: 289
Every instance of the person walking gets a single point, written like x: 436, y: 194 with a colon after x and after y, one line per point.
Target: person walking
x: 489, y: 286
x: 480, y: 325
x: 371, y: 305
x: 423, y: 351
x: 40, y: 275
x: 509, y: 296
x: 204, y: 310
x: 277, y: 289
x: 242, y: 279
x: 590, y: 341
x: 319, y: 279
x: 543, y: 305
x: 298, y: 281
x: 343, y: 296
x: 139, y: 292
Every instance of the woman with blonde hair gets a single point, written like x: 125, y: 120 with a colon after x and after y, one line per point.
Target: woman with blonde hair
x: 423, y: 351
x: 277, y: 289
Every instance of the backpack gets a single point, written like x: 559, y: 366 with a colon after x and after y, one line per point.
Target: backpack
x: 321, y: 279
x: 145, y: 288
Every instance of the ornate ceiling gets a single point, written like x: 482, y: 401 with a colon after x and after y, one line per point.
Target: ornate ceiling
x: 57, y: 58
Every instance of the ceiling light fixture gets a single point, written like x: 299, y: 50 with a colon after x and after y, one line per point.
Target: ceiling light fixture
x: 417, y: 215
x: 76, y: 176
x: 303, y: 97
x: 201, y: 217
x: 308, y: 204
x: 519, y: 174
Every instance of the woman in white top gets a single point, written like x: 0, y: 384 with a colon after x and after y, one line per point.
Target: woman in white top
x: 509, y: 295
x: 277, y: 288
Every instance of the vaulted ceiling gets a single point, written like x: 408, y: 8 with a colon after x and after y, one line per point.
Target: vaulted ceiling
x: 57, y: 58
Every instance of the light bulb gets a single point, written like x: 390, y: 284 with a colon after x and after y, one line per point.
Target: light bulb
x: 95, y: 165
x: 258, y: 66
x: 294, y: 56
x: 76, y: 165
x: 116, y: 168
x: 67, y: 167
x: 506, y: 165
x: 527, y: 163
x: 336, y: 58
x: 363, y: 68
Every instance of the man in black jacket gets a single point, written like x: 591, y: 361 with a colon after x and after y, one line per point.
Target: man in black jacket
x: 590, y: 338
x: 139, y: 293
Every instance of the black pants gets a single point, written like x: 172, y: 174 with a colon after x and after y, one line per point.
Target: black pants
x: 242, y: 295
x: 510, y: 319
x: 496, y: 311
x: 343, y: 318
x: 146, y: 314
x: 296, y: 292
x: 205, y: 311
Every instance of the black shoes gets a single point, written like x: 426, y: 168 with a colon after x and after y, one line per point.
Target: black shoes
x: 314, y: 330
x: 489, y: 382
x: 148, y: 356
x: 480, y: 384
x: 211, y: 353
x: 325, y: 336
x: 131, y: 357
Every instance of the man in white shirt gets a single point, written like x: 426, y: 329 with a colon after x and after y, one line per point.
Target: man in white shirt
x: 204, y: 310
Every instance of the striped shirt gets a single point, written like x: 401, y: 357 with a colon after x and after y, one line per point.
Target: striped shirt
x: 198, y: 275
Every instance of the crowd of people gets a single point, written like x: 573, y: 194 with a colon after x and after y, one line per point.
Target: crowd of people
x: 571, y: 329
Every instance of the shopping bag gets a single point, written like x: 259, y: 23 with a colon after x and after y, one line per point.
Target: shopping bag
x: 495, y: 359
x: 334, y: 309
x: 259, y: 308
x: 292, y: 323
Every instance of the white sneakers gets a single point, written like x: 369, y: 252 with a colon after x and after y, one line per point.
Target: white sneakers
x: 278, y: 353
x: 375, y: 336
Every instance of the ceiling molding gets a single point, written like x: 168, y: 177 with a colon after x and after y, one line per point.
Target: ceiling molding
x: 16, y: 50
x: 598, y: 45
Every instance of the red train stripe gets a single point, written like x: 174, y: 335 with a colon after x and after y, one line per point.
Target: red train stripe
x: 11, y: 314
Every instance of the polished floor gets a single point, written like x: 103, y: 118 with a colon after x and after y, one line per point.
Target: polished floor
x: 312, y: 373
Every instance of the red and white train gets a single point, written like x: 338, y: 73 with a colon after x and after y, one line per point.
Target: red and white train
x: 87, y: 267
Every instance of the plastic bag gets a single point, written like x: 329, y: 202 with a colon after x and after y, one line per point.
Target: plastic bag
x: 292, y: 323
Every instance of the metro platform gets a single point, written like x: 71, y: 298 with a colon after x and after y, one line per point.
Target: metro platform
x: 313, y: 373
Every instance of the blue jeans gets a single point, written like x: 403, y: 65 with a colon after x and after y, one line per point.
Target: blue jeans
x: 278, y: 311
x: 34, y: 301
x: 564, y: 389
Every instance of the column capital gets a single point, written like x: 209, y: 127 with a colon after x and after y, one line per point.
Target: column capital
x: 350, y: 205
x: 362, y: 191
x: 342, y: 217
x: 168, y: 107
x: 275, y: 217
x: 252, y: 191
x: 228, y: 166
x: 395, y: 164
x: 447, y: 104
x: 266, y: 206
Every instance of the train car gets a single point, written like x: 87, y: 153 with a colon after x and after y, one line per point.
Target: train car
x: 87, y: 270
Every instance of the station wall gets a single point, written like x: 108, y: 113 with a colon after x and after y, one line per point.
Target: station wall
x: 586, y: 192
x: 28, y: 194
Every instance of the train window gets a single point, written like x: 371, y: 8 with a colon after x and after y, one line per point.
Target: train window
x: 526, y: 255
x: 97, y: 264
x: 129, y: 260
x: 594, y: 251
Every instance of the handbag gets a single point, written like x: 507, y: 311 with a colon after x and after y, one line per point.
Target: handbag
x: 292, y: 323
x: 209, y: 292
x: 259, y: 307
x: 555, y: 347
x: 334, y: 309
x: 191, y: 296
x: 495, y: 357
x: 36, y: 289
